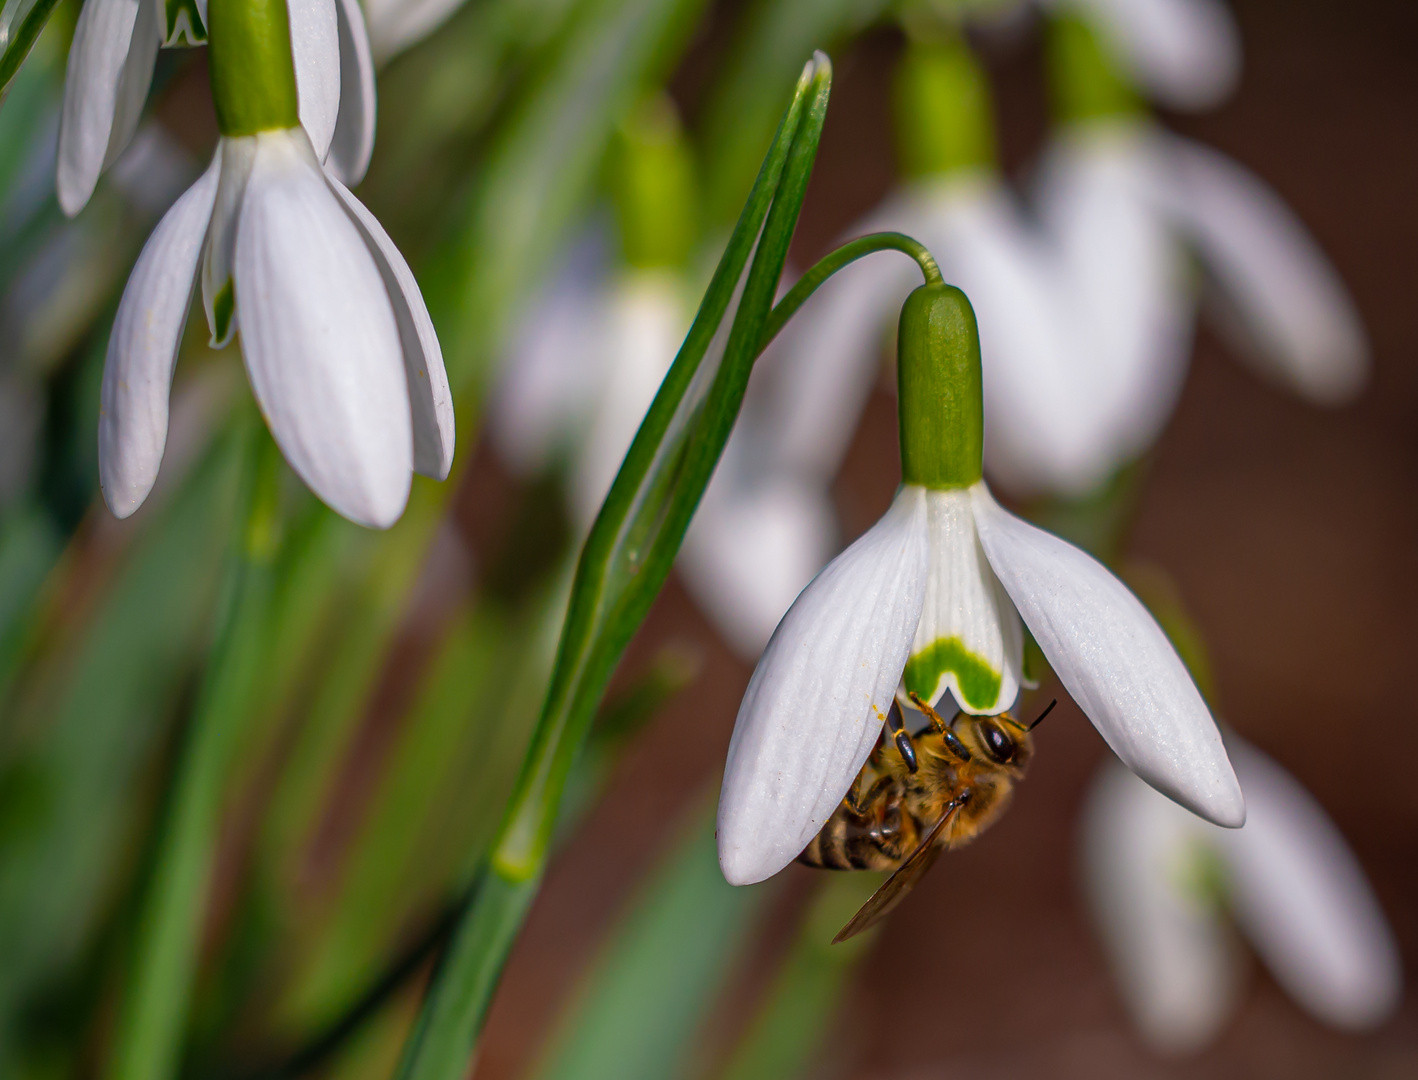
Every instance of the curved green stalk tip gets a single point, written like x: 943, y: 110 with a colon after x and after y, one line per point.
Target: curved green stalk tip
x: 940, y: 395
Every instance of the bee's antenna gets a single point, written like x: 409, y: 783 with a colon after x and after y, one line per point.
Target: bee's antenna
x: 1043, y: 714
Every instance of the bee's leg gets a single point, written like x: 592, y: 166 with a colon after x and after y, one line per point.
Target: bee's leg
x: 859, y: 801
x: 952, y: 740
x: 896, y: 726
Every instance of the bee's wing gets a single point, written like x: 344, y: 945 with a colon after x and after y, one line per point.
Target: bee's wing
x: 895, y: 888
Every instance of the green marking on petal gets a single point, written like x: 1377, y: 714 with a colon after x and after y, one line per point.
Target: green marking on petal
x: 182, y: 24
x: 222, y: 309
x: 978, y: 682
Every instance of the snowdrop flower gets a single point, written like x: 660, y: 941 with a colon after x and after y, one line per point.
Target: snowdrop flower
x: 933, y: 600
x: 1085, y: 302
x: 338, y: 344
x: 1165, y: 889
x: 111, y: 67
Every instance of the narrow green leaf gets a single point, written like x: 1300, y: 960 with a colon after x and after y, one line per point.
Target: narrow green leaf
x: 622, y: 567
x: 793, y: 1027
x: 20, y: 24
x: 639, y: 1008
x: 155, y: 1002
x: 70, y: 787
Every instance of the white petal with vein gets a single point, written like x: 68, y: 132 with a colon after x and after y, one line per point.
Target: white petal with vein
x: 320, y: 338
x: 105, y: 85
x: 820, y: 693
x: 429, y: 394
x: 1115, y: 661
x: 315, y: 48
x: 142, y: 349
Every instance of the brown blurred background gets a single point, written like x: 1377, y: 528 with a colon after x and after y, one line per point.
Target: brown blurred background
x: 1292, y: 533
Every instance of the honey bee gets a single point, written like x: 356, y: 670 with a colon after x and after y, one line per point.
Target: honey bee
x: 915, y: 797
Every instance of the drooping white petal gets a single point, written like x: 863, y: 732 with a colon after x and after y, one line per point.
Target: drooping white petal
x: 548, y: 377
x: 969, y: 642
x: 820, y: 694
x: 646, y: 321
x: 1155, y: 906
x: 353, y: 140
x: 394, y: 25
x: 315, y: 48
x: 1126, y: 288
x: 750, y: 550
x: 1115, y: 661
x: 1301, y: 898
x: 319, y: 336
x: 105, y: 86
x: 1185, y: 53
x: 235, y: 157
x: 1289, y: 310
x: 429, y: 394
x: 142, y: 349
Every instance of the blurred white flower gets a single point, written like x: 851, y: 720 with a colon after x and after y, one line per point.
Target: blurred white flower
x: 582, y: 371
x: 1085, y: 303
x: 111, y: 67
x: 337, y: 341
x: 952, y: 568
x: 1166, y: 889
x: 1185, y: 54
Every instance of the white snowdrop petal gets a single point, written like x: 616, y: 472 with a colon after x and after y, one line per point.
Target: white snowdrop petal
x: 1144, y: 875
x: 1115, y: 661
x: 969, y: 642
x: 1302, y: 899
x: 142, y: 349
x: 1185, y: 53
x: 315, y: 48
x: 352, y: 143
x: 105, y: 85
x: 1289, y: 310
x: 429, y: 394
x: 820, y: 694
x: 548, y: 379
x: 646, y: 321
x: 751, y: 550
x: 320, y: 338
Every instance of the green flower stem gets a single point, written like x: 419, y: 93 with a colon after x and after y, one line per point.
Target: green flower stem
x: 252, y: 70
x: 829, y: 264
x: 155, y: 1004
x: 625, y: 561
x: 940, y: 389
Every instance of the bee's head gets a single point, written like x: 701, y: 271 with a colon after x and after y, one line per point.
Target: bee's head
x: 1001, y: 740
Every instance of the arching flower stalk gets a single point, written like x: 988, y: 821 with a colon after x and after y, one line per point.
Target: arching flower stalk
x: 933, y: 600
x: 337, y: 341
x: 110, y: 68
x: 1166, y: 890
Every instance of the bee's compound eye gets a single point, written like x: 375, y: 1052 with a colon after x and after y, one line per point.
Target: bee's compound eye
x: 998, y: 743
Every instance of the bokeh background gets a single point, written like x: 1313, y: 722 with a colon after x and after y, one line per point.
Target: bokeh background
x: 374, y: 772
